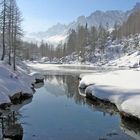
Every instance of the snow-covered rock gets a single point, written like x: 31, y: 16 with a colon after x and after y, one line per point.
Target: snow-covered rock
x: 38, y: 77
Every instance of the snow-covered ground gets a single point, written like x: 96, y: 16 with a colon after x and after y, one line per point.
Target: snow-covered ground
x: 14, y: 83
x: 131, y: 60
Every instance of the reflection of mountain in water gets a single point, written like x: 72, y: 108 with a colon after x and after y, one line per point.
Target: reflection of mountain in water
x: 60, y: 85
x: 55, y: 85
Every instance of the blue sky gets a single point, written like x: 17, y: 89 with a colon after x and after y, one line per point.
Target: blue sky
x: 41, y: 14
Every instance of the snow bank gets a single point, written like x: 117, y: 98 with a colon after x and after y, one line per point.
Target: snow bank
x: 14, y: 83
x: 120, y: 87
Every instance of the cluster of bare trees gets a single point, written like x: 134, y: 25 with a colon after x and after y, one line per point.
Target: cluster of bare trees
x: 10, y: 27
x: 33, y: 51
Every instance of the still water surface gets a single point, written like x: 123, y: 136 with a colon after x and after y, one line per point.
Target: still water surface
x: 58, y: 112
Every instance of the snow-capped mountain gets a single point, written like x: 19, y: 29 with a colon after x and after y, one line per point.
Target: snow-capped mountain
x: 100, y: 17
x: 59, y: 32
x: 53, y: 31
x: 54, y: 35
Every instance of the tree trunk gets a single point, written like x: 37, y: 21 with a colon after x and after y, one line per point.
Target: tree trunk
x: 3, y: 30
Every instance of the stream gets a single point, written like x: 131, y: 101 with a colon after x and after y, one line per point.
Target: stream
x: 57, y: 111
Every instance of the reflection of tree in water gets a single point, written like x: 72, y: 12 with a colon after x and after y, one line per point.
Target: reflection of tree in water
x: 105, y: 107
x: 10, y: 127
x: 70, y: 84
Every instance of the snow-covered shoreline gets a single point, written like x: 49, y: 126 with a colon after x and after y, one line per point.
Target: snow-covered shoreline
x: 15, y: 85
x: 120, y: 88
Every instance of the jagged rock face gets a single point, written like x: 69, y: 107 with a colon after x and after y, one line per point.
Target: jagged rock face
x: 104, y: 18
